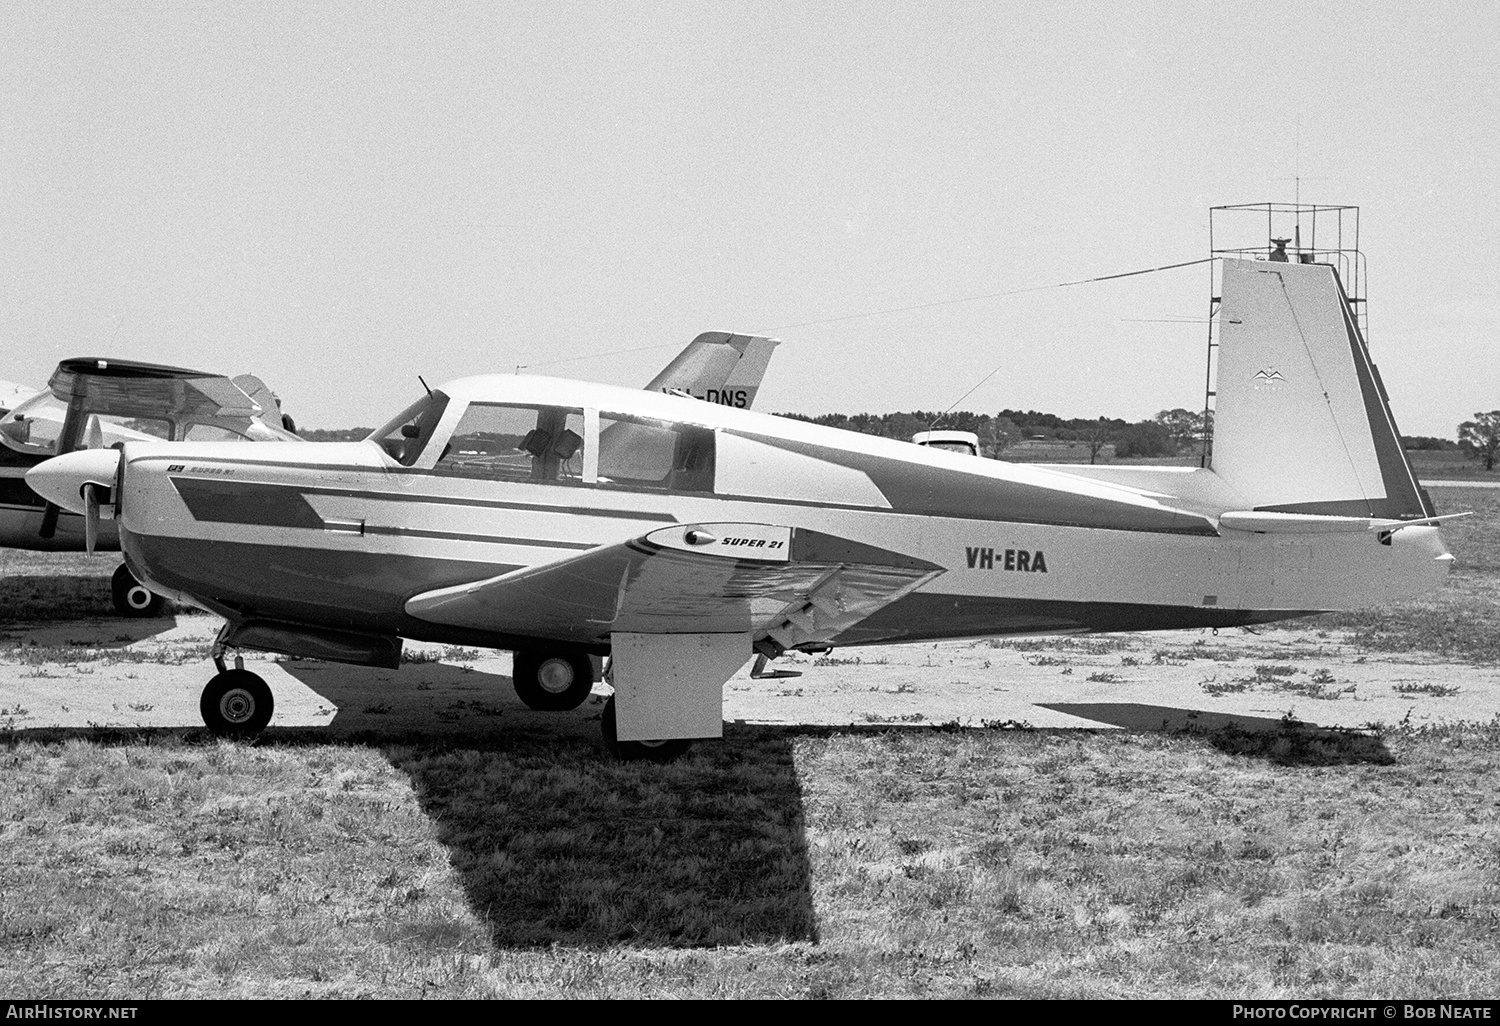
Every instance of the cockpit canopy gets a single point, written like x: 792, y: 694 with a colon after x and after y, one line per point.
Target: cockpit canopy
x: 501, y: 441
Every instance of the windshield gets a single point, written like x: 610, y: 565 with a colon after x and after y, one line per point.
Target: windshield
x: 405, y: 436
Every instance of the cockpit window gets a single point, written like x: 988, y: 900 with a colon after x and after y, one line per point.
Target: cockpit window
x: 36, y: 425
x: 515, y: 443
x: 407, y: 435
x: 102, y: 430
x: 635, y: 452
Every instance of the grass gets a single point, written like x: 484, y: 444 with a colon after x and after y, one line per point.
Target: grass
x: 1282, y: 678
x: 45, y: 587
x: 77, y: 653
x: 853, y: 864
x: 1449, y: 465
x: 1081, y: 646
x: 1459, y: 621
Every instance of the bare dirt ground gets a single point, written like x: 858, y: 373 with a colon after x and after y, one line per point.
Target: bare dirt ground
x: 116, y: 673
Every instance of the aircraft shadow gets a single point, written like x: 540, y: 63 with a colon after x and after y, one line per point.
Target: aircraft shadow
x: 29, y: 600
x: 555, y: 842
x: 1284, y: 741
x: 104, y: 630
x: 556, y: 845
x: 32, y: 597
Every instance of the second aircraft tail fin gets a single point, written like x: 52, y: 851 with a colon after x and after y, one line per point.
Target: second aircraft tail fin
x: 718, y: 367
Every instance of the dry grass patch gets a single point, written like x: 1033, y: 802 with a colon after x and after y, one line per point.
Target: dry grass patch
x: 905, y: 863
x: 1045, y: 865
x: 1458, y: 621
x: 158, y: 868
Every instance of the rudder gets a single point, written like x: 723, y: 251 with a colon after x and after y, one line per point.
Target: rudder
x: 1301, y: 421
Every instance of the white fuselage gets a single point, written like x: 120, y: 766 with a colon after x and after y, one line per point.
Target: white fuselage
x: 342, y: 533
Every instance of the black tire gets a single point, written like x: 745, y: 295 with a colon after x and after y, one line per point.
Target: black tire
x: 131, y: 597
x: 237, y: 704
x: 639, y: 751
x: 552, y: 681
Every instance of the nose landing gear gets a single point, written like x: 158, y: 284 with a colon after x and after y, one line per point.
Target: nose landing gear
x: 236, y: 704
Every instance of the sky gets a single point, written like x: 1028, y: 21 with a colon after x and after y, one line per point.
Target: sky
x: 339, y: 197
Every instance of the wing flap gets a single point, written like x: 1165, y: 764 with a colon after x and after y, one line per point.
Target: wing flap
x: 689, y: 579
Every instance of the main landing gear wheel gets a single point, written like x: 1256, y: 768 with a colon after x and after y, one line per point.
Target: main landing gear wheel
x: 131, y: 597
x: 639, y: 751
x: 237, y: 704
x: 552, y: 681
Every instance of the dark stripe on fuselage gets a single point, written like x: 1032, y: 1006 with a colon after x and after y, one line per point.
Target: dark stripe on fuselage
x: 529, y: 507
x: 368, y: 591
x: 926, y: 616
x: 924, y: 490
x: 395, y: 495
x: 245, y: 502
x: 265, y: 505
x: 350, y: 590
x: 492, y: 539
x: 912, y: 489
x: 809, y: 546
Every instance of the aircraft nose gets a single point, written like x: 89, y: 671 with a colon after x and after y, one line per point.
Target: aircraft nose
x: 60, y: 480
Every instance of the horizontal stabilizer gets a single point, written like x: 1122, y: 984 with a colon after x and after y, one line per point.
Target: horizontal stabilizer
x: 1262, y: 522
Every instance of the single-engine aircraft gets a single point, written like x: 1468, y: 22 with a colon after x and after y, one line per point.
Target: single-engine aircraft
x: 562, y: 519
x: 93, y: 403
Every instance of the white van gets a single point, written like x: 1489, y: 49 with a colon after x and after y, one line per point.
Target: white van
x: 954, y: 441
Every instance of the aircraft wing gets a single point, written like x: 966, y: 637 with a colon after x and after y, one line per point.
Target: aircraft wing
x: 718, y: 367
x: 142, y: 390
x: 258, y: 392
x: 790, y: 585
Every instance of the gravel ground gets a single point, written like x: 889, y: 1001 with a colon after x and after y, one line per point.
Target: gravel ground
x: 119, y: 673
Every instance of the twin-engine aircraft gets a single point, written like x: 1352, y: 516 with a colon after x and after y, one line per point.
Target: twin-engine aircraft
x: 93, y: 403
x: 563, y: 520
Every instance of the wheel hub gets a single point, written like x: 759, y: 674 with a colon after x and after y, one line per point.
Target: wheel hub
x: 237, y: 706
x: 555, y: 676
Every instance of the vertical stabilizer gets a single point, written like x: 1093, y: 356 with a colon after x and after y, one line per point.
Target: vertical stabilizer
x: 1301, y: 421
x: 718, y: 367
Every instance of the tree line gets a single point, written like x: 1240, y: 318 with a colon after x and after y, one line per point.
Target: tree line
x: 1169, y: 433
